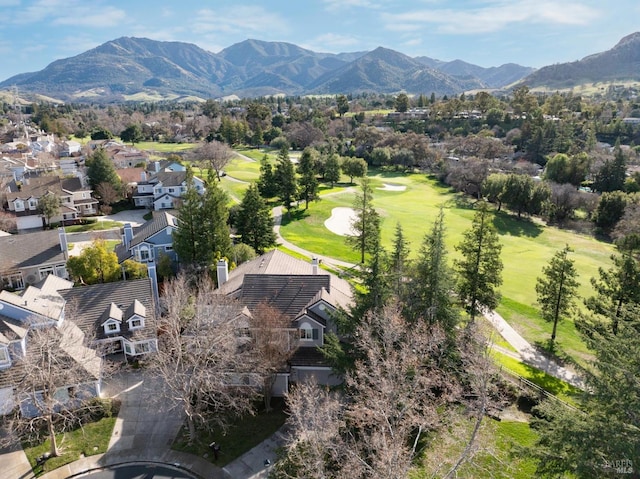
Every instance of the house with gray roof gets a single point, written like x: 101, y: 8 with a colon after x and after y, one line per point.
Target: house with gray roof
x: 164, y: 189
x: 149, y: 241
x: 75, y: 200
x: 306, y: 294
x: 28, y: 258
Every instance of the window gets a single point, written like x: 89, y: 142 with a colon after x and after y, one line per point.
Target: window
x: 111, y: 327
x: 5, y: 360
x: 168, y: 248
x: 33, y: 204
x: 142, y: 348
x: 144, y: 254
x: 19, y: 205
x: 127, y: 348
x: 136, y: 323
x: 170, y: 190
x: 308, y: 334
x: 44, y: 272
x: 15, y: 281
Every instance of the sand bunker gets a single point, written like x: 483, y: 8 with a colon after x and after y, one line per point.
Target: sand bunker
x: 388, y: 187
x: 340, y: 221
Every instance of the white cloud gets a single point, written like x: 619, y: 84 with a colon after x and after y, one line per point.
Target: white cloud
x: 71, y: 13
x: 496, y: 15
x: 331, y: 42
x: 333, y: 5
x: 239, y: 19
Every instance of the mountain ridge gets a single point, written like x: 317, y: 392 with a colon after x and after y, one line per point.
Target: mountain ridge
x: 129, y: 66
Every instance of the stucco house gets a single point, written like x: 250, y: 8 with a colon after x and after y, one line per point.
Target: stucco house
x: 164, y: 189
x: 307, y: 295
x: 149, y: 241
x: 22, y: 200
x: 28, y: 258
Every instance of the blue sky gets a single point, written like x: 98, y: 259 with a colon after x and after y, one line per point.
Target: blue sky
x: 33, y: 33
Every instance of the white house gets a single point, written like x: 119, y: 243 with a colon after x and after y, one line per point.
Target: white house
x: 164, y: 189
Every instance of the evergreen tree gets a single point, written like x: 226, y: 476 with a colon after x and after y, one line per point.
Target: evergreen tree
x: 376, y: 288
x: 285, y: 179
x: 616, y: 288
x: 479, y: 270
x: 343, y: 104
x: 100, y: 169
x: 307, y: 169
x: 602, y: 439
x: 254, y: 223
x: 556, y: 289
x: 613, y: 173
x: 432, y: 282
x: 266, y: 182
x: 354, y: 167
x: 366, y: 224
x: 186, y: 237
x: 399, y: 265
x: 214, y: 236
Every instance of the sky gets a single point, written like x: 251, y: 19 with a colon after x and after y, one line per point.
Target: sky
x: 535, y: 33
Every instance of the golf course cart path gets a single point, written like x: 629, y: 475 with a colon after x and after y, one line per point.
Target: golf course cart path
x: 531, y: 355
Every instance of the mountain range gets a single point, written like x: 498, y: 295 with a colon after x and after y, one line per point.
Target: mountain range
x: 139, y: 68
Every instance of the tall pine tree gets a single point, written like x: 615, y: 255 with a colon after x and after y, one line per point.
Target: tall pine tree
x: 480, y: 268
x: 254, y: 222
x: 366, y: 224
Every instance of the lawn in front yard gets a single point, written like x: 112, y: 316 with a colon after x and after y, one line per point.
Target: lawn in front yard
x: 244, y: 434
x: 88, y: 440
x: 93, y: 226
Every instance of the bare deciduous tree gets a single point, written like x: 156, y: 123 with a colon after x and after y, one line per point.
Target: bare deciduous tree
x: 408, y: 380
x: 207, y: 367
x: 275, y: 341
x: 214, y: 155
x: 56, y: 378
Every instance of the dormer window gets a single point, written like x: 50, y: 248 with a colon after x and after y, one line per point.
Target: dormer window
x: 5, y: 359
x: 136, y: 322
x: 111, y: 327
x: 308, y: 334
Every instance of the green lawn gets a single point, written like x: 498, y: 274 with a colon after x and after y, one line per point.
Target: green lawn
x: 555, y: 386
x: 93, y: 226
x: 165, y: 147
x: 244, y: 434
x: 498, y: 453
x: 90, y: 439
x: 527, y: 245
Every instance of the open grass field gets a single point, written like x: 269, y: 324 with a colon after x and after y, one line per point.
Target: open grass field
x: 527, y: 245
x: 498, y: 453
x: 165, y: 147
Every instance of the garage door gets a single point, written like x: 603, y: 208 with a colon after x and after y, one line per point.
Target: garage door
x: 29, y: 222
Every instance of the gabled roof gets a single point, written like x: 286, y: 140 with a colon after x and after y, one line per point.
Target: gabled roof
x: 135, y: 309
x: 39, y: 186
x: 288, y: 293
x: 276, y: 262
x: 112, y: 312
x: 88, y: 304
x: 159, y: 221
x: 169, y: 178
x: 31, y: 249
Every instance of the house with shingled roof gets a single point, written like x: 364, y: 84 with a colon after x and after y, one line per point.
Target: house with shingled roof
x: 164, y: 189
x: 28, y: 258
x: 75, y: 200
x: 149, y: 241
x: 303, y: 292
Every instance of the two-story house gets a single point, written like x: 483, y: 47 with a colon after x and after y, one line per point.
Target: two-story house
x: 149, y: 241
x: 164, y: 189
x: 22, y: 200
x: 307, y: 295
x: 28, y: 258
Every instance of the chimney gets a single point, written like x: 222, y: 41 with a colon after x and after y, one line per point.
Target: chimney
x: 143, y: 176
x: 64, y: 246
x: 223, y: 272
x: 128, y: 234
x: 153, y: 277
x: 314, y: 265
